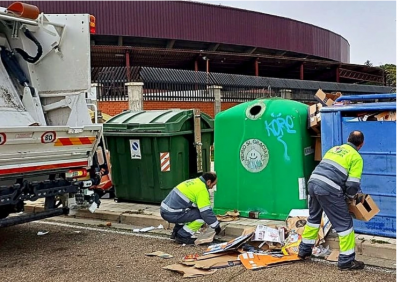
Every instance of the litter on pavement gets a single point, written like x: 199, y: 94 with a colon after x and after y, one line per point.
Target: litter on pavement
x: 147, y: 229
x: 41, y: 233
x: 188, y: 271
x: 229, y: 216
x: 258, y: 247
x: 159, y: 254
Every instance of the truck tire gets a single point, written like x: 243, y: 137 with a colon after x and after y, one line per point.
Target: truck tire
x: 3, y: 214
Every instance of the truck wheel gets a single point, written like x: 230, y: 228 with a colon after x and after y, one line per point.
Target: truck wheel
x: 3, y: 214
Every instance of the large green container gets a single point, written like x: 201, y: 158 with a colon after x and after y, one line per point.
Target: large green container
x: 263, y: 158
x: 153, y: 151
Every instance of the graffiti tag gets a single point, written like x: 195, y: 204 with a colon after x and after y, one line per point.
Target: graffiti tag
x: 278, y: 127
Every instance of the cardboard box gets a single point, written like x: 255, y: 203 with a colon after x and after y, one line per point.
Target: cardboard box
x: 363, y: 210
x: 314, y: 118
x: 327, y: 99
x: 386, y: 116
x: 318, y: 149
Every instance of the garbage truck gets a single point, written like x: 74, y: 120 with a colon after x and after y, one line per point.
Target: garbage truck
x: 49, y: 148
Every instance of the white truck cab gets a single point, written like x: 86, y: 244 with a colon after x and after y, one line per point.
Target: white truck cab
x: 48, y: 142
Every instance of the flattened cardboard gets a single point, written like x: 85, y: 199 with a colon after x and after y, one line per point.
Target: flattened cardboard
x: 292, y: 248
x: 254, y: 261
x: 206, y: 237
x: 334, y: 256
x: 189, y: 271
x: 326, y: 226
x: 264, y: 246
x: 297, y: 224
x: 298, y: 218
x: 231, y: 245
x: 218, y: 262
x: 248, y: 230
x: 229, y: 216
x: 265, y: 233
x: 364, y: 211
x: 192, y: 260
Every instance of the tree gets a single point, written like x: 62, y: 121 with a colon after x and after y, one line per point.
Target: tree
x: 390, y: 72
x: 368, y: 63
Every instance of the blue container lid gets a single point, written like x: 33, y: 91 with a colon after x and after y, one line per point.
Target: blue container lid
x: 384, y: 106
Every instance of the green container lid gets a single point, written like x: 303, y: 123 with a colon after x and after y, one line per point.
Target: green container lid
x: 170, y: 122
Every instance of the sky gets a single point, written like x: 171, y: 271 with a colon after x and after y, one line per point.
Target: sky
x: 368, y: 26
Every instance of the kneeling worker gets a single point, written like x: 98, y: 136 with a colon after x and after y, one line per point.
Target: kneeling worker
x: 188, y: 206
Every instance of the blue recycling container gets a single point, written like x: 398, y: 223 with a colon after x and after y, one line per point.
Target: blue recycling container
x: 378, y: 152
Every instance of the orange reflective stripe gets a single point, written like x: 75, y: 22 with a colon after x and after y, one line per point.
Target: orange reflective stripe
x: 73, y: 141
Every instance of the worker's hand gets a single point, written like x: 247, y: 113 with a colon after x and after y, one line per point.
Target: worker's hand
x: 217, y: 230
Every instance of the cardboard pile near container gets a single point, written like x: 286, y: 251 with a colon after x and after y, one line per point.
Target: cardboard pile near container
x: 265, y: 246
x: 329, y: 99
x: 314, y: 116
x: 258, y: 247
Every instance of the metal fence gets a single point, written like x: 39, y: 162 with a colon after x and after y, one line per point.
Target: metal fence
x: 190, y: 86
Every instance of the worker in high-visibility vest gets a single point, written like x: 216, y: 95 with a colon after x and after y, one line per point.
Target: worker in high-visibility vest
x: 335, y: 179
x: 188, y: 206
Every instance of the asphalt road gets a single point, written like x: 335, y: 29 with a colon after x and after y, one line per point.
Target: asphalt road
x: 71, y: 254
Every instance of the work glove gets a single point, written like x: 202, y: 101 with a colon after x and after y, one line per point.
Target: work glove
x: 217, y: 230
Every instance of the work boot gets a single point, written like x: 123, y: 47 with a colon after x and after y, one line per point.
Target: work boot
x: 184, y: 240
x: 353, y: 265
x: 177, y: 227
x: 304, y: 256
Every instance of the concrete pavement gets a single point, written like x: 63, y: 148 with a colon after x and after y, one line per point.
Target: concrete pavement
x: 373, y: 250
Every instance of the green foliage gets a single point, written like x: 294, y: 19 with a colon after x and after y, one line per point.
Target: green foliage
x: 390, y: 70
x: 368, y: 63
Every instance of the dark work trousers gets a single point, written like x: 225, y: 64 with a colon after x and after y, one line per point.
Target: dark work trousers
x: 335, y: 207
x: 182, y: 218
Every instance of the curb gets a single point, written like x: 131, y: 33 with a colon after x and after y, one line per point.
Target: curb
x: 363, y: 247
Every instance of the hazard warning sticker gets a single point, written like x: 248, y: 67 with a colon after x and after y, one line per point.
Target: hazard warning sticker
x: 165, y: 162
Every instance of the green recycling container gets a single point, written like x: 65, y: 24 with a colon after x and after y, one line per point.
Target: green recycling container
x: 153, y: 151
x: 263, y: 158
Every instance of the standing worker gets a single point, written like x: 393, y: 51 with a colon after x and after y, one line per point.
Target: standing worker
x: 188, y: 206
x: 336, y: 177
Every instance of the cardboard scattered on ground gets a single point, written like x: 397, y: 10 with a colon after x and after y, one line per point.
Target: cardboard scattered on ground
x: 263, y: 246
x: 229, y: 216
x: 326, y: 226
x: 292, y: 248
x: 192, y: 259
x: 256, y: 261
x: 248, y: 230
x: 257, y: 247
x: 334, y: 256
x: 268, y: 234
x: 223, y: 261
x: 206, y: 237
x: 159, y: 254
x: 189, y: 271
x: 297, y: 219
x: 233, y: 244
x: 297, y: 224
